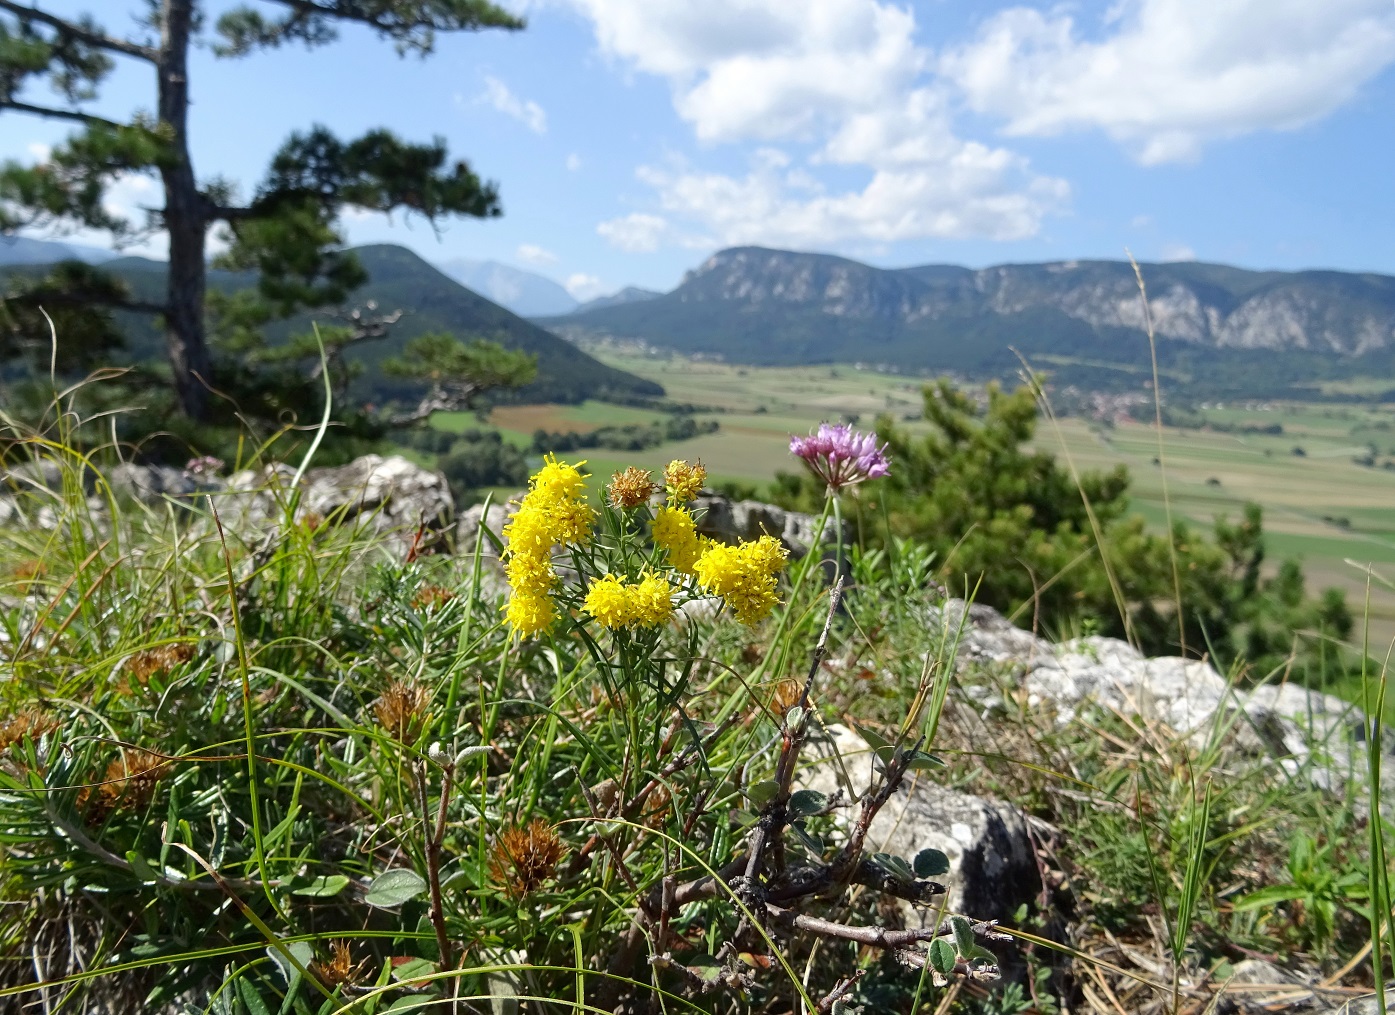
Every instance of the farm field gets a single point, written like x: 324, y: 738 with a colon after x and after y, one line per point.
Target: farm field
x: 1320, y: 505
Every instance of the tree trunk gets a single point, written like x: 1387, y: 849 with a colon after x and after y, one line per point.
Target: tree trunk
x: 185, y: 219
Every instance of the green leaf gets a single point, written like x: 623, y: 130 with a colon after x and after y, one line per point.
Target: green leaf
x: 874, y: 739
x: 794, y: 717
x: 811, y: 841
x: 249, y: 997
x: 1270, y: 896
x: 808, y: 801
x: 919, y: 761
x: 964, y: 938
x: 394, y: 887
x: 942, y: 956
x: 323, y: 887
x: 894, y: 866
x: 931, y: 863
x: 412, y: 969
x: 141, y: 868
x: 763, y: 792
x: 303, y: 953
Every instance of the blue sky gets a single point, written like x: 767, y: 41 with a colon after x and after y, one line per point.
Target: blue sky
x: 631, y: 138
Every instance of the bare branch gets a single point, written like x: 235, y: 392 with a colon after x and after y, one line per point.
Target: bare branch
x: 58, y: 114
x: 74, y: 31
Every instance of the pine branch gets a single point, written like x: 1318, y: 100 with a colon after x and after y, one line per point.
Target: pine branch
x: 74, y: 31
x: 59, y: 114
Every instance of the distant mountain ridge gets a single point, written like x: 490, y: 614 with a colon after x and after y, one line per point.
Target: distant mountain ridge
x: 27, y: 250
x: 762, y: 306
x: 630, y: 294
x: 430, y: 301
x: 525, y: 293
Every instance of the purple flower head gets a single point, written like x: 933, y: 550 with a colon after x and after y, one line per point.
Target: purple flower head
x: 204, y: 465
x: 841, y: 456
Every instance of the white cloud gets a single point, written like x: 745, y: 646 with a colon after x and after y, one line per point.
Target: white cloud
x: 1177, y: 252
x: 1164, y: 77
x: 636, y: 232
x: 1141, y: 221
x: 525, y: 111
x: 39, y: 150
x: 843, y: 76
x: 583, y: 287
x: 573, y: 162
x: 531, y: 253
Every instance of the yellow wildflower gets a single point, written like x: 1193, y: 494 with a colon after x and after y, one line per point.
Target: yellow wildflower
x: 529, y: 613
x: 651, y: 601
x: 558, y: 481
x: 609, y: 602
x: 674, y: 530
x: 743, y: 575
x: 684, y: 481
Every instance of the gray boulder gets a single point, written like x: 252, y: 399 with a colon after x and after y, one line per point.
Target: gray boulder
x: 1306, y: 731
x: 993, y: 867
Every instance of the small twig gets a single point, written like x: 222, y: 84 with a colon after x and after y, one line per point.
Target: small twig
x: 841, y: 990
x: 433, y: 856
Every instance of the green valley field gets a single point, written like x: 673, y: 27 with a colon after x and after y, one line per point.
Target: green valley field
x: 1320, y: 505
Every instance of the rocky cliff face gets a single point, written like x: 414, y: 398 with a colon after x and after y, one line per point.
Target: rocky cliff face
x: 1347, y: 314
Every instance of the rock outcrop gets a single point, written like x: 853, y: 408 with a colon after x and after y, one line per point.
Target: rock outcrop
x: 1304, y: 730
x: 992, y: 862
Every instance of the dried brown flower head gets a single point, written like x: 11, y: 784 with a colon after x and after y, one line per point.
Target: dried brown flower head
x: 402, y: 710
x: 340, y: 969
x: 29, y: 722
x: 27, y: 574
x: 147, y: 663
x: 128, y: 784
x: 522, y: 859
x: 683, y: 480
x: 785, y: 696
x: 631, y: 488
x: 311, y: 521
x: 432, y: 597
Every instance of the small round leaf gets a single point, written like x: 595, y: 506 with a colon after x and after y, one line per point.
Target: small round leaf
x: 394, y: 887
x: 931, y: 863
x: 942, y: 956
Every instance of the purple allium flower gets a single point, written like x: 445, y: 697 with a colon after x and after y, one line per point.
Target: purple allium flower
x: 841, y: 456
x: 204, y: 465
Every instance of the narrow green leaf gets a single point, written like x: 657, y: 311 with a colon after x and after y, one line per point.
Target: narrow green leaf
x: 323, y: 887
x: 963, y: 935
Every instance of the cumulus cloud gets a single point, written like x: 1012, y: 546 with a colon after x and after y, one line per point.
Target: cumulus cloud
x: 1177, y: 252
x: 1163, y: 77
x: 525, y: 111
x: 583, y: 287
x: 531, y: 253
x: 637, y: 232
x: 844, y: 79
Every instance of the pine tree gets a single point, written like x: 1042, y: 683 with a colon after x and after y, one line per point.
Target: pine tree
x: 287, y: 233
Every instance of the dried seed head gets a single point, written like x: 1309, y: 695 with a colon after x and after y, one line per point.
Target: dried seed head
x: 340, y: 969
x: 631, y: 488
x: 147, y: 663
x: 311, y: 522
x: 402, y: 710
x: 27, y: 574
x: 29, y: 722
x: 431, y: 597
x: 522, y: 859
x: 785, y: 696
x: 127, y: 785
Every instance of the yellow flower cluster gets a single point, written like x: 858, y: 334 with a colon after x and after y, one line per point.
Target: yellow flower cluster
x: 614, y: 603
x: 553, y: 511
x: 743, y: 575
x: 683, y: 481
x: 674, y: 530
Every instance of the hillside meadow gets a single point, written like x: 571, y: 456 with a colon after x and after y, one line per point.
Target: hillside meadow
x: 1321, y: 505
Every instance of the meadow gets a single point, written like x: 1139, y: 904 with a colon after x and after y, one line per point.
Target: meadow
x: 1321, y: 505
